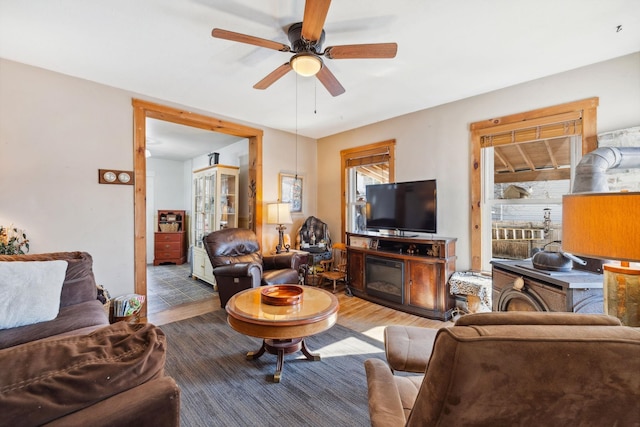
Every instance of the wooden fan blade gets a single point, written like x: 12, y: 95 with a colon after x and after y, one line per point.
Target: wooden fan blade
x: 329, y: 81
x: 273, y: 76
x: 243, y: 38
x: 351, y: 51
x: 315, y: 13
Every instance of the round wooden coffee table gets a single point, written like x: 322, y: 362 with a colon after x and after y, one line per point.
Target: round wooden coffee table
x: 282, y: 328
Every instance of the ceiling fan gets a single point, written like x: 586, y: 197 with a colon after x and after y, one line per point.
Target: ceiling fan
x: 306, y: 39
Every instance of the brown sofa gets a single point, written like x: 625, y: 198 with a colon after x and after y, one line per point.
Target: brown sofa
x: 78, y: 370
x: 80, y: 310
x: 517, y: 368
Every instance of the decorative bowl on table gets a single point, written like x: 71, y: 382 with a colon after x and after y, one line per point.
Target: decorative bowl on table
x: 281, y: 295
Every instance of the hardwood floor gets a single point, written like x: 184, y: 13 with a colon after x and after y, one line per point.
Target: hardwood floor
x: 185, y: 311
x: 370, y: 319
x: 355, y: 313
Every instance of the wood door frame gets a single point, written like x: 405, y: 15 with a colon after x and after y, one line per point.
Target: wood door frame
x: 588, y: 109
x: 143, y: 110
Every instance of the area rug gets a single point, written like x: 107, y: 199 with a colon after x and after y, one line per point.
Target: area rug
x: 220, y: 387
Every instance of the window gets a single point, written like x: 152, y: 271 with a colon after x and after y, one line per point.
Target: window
x: 532, y: 153
x: 358, y: 177
x: 361, y: 166
x: 526, y: 209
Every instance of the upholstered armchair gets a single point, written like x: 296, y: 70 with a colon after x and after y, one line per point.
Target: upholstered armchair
x: 239, y: 264
x: 510, y: 368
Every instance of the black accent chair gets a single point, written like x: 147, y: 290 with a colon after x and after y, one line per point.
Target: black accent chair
x: 238, y: 263
x: 313, y: 237
x: 311, y: 234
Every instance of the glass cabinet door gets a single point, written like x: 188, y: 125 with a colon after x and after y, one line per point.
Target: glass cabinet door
x: 198, y: 210
x: 210, y: 211
x: 227, y: 200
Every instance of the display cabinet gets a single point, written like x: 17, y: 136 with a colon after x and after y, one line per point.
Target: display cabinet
x: 215, y: 206
x: 170, y: 238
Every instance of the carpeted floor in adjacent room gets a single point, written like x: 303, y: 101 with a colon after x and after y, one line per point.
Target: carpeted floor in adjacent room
x: 220, y: 387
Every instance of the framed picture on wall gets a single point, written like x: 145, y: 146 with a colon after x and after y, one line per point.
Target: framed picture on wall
x: 290, y: 191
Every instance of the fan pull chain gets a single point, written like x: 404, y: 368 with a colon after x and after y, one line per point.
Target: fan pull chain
x: 296, y: 177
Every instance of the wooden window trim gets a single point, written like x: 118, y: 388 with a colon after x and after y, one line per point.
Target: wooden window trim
x: 356, y: 157
x: 587, y: 109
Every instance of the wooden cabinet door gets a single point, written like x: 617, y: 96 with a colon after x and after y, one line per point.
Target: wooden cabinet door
x: 422, y: 282
x: 208, y: 271
x: 355, y: 263
x: 197, y: 263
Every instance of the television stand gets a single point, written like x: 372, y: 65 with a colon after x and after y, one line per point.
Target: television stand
x: 406, y: 273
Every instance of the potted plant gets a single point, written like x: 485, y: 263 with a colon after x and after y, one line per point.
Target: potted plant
x: 13, y: 241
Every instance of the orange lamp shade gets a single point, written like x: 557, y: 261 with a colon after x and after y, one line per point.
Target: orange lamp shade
x: 602, y: 225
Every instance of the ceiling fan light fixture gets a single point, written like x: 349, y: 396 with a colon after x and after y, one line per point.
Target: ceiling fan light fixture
x: 306, y: 64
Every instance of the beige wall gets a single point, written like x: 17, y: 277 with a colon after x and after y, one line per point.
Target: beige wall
x: 280, y: 156
x: 56, y: 131
x: 435, y: 143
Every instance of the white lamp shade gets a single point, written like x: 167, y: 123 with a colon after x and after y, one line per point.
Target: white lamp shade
x: 306, y: 64
x: 279, y: 213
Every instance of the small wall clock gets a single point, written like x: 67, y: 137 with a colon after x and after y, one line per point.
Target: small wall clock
x: 112, y: 176
x: 109, y: 176
x: 124, y: 177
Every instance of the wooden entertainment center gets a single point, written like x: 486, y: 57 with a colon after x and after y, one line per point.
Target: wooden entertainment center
x: 409, y: 274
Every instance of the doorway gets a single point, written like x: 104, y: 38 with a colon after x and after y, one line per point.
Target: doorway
x: 144, y: 110
x: 173, y: 153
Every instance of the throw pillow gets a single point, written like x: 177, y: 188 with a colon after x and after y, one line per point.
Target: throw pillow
x: 30, y: 292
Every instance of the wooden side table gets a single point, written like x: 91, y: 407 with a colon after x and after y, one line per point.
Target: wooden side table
x: 314, y: 278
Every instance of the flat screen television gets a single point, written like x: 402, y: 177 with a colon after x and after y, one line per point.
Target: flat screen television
x: 402, y: 206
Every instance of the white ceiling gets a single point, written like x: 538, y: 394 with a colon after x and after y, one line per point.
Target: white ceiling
x: 166, y: 140
x: 447, y: 50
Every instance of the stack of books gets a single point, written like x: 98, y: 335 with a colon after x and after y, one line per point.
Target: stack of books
x: 127, y: 305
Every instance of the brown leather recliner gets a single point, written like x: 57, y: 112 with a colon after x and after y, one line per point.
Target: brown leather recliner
x: 238, y: 263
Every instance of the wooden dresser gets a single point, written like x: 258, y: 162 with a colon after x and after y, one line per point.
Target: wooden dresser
x: 170, y: 238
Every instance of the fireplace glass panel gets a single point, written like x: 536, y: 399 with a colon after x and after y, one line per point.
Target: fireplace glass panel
x: 384, y: 279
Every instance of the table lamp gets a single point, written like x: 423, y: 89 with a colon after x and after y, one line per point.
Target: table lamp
x: 607, y: 226
x: 279, y: 213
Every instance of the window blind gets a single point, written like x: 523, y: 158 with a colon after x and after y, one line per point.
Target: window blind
x: 561, y: 125
x: 367, y: 160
